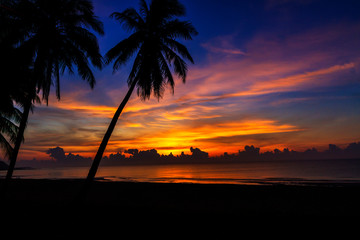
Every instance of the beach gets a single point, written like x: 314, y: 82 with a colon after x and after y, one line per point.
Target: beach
x: 106, y: 199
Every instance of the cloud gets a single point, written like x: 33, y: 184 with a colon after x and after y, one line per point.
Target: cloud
x: 212, y: 48
x: 305, y: 61
x: 197, y: 133
x: 213, y: 102
x: 57, y: 153
x: 282, y: 87
x: 224, y: 45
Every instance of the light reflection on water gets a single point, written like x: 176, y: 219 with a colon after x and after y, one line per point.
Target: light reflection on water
x: 288, y: 172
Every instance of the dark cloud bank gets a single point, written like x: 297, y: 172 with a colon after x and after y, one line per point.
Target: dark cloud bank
x: 143, y: 157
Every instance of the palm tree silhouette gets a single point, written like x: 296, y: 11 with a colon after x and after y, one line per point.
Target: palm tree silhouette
x: 12, y: 90
x: 154, y: 32
x: 15, y: 71
x: 57, y: 39
x: 9, y: 115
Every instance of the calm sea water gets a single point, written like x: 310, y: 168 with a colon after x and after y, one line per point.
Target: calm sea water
x: 286, y: 172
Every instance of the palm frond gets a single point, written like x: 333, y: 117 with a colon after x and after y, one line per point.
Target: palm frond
x: 87, y: 42
x: 167, y: 73
x: 158, y: 76
x: 8, y: 130
x: 134, y: 76
x: 124, y: 50
x: 129, y: 18
x: 5, y: 146
x: 7, y: 127
x: 154, y: 33
x: 179, y: 29
x: 84, y: 69
x: 162, y: 10
x: 144, y: 10
x: 57, y: 80
x: 180, y: 68
x: 180, y: 48
x: 88, y: 17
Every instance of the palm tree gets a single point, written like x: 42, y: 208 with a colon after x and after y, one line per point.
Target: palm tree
x: 12, y: 89
x: 57, y: 39
x: 14, y: 69
x: 154, y: 32
x: 24, y: 94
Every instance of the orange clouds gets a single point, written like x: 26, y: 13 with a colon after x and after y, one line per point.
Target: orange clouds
x: 309, y: 79
x: 98, y: 111
x: 197, y: 115
x: 230, y: 100
x: 176, y: 137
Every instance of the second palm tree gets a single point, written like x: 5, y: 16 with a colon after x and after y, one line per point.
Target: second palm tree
x: 154, y: 32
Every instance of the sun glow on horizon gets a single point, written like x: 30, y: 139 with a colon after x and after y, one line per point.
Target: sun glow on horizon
x: 297, y: 91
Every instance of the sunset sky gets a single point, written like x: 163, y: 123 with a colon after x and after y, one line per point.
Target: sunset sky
x: 270, y: 73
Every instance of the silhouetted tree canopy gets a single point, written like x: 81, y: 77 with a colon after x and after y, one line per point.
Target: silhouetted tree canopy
x: 39, y: 40
x: 155, y: 30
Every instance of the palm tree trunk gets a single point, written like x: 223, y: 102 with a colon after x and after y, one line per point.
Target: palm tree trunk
x: 107, y: 136
x: 19, y: 138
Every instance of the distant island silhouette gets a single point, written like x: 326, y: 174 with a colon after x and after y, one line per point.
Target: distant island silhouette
x: 143, y: 157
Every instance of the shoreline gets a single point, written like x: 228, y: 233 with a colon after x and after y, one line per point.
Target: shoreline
x: 270, y: 181
x: 41, y: 196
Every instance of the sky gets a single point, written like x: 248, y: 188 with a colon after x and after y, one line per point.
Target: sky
x: 268, y: 73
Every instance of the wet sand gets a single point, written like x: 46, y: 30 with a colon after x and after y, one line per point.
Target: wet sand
x: 128, y: 199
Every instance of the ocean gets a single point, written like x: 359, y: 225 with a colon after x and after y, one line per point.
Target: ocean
x: 304, y: 172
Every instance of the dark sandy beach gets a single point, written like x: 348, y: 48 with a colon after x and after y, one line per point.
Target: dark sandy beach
x: 127, y: 199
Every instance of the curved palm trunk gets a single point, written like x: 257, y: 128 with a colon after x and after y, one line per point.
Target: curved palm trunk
x: 19, y: 138
x: 107, y: 136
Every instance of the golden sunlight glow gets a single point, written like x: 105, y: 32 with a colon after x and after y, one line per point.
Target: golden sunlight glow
x: 98, y: 111
x: 166, y: 128
x: 204, y: 113
x: 176, y: 139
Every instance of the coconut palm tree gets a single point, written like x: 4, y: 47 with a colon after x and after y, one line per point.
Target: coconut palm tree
x: 155, y: 29
x: 57, y: 39
x: 23, y: 92
x: 9, y: 115
x: 11, y: 90
x: 14, y: 68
